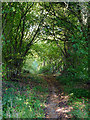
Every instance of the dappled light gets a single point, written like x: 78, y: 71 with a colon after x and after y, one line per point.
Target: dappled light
x: 57, y: 104
x: 45, y: 60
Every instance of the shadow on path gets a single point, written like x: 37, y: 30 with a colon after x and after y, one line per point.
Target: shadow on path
x: 56, y: 106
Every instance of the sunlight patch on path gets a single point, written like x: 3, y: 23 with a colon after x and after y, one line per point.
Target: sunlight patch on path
x: 56, y: 107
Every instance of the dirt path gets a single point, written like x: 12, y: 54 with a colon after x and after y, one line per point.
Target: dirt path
x: 56, y: 106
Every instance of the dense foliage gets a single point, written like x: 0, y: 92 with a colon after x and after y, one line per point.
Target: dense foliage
x: 62, y: 36
x: 48, y: 38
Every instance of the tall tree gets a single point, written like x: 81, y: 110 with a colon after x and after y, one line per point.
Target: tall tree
x: 21, y: 24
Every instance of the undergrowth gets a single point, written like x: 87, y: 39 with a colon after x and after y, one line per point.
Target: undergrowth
x: 24, y: 100
x: 79, y: 95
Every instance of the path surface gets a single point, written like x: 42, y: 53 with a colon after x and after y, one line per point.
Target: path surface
x: 56, y: 106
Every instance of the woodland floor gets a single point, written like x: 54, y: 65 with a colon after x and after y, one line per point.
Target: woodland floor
x: 56, y: 105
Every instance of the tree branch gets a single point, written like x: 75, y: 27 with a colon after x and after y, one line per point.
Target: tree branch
x: 23, y: 16
x: 38, y: 29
